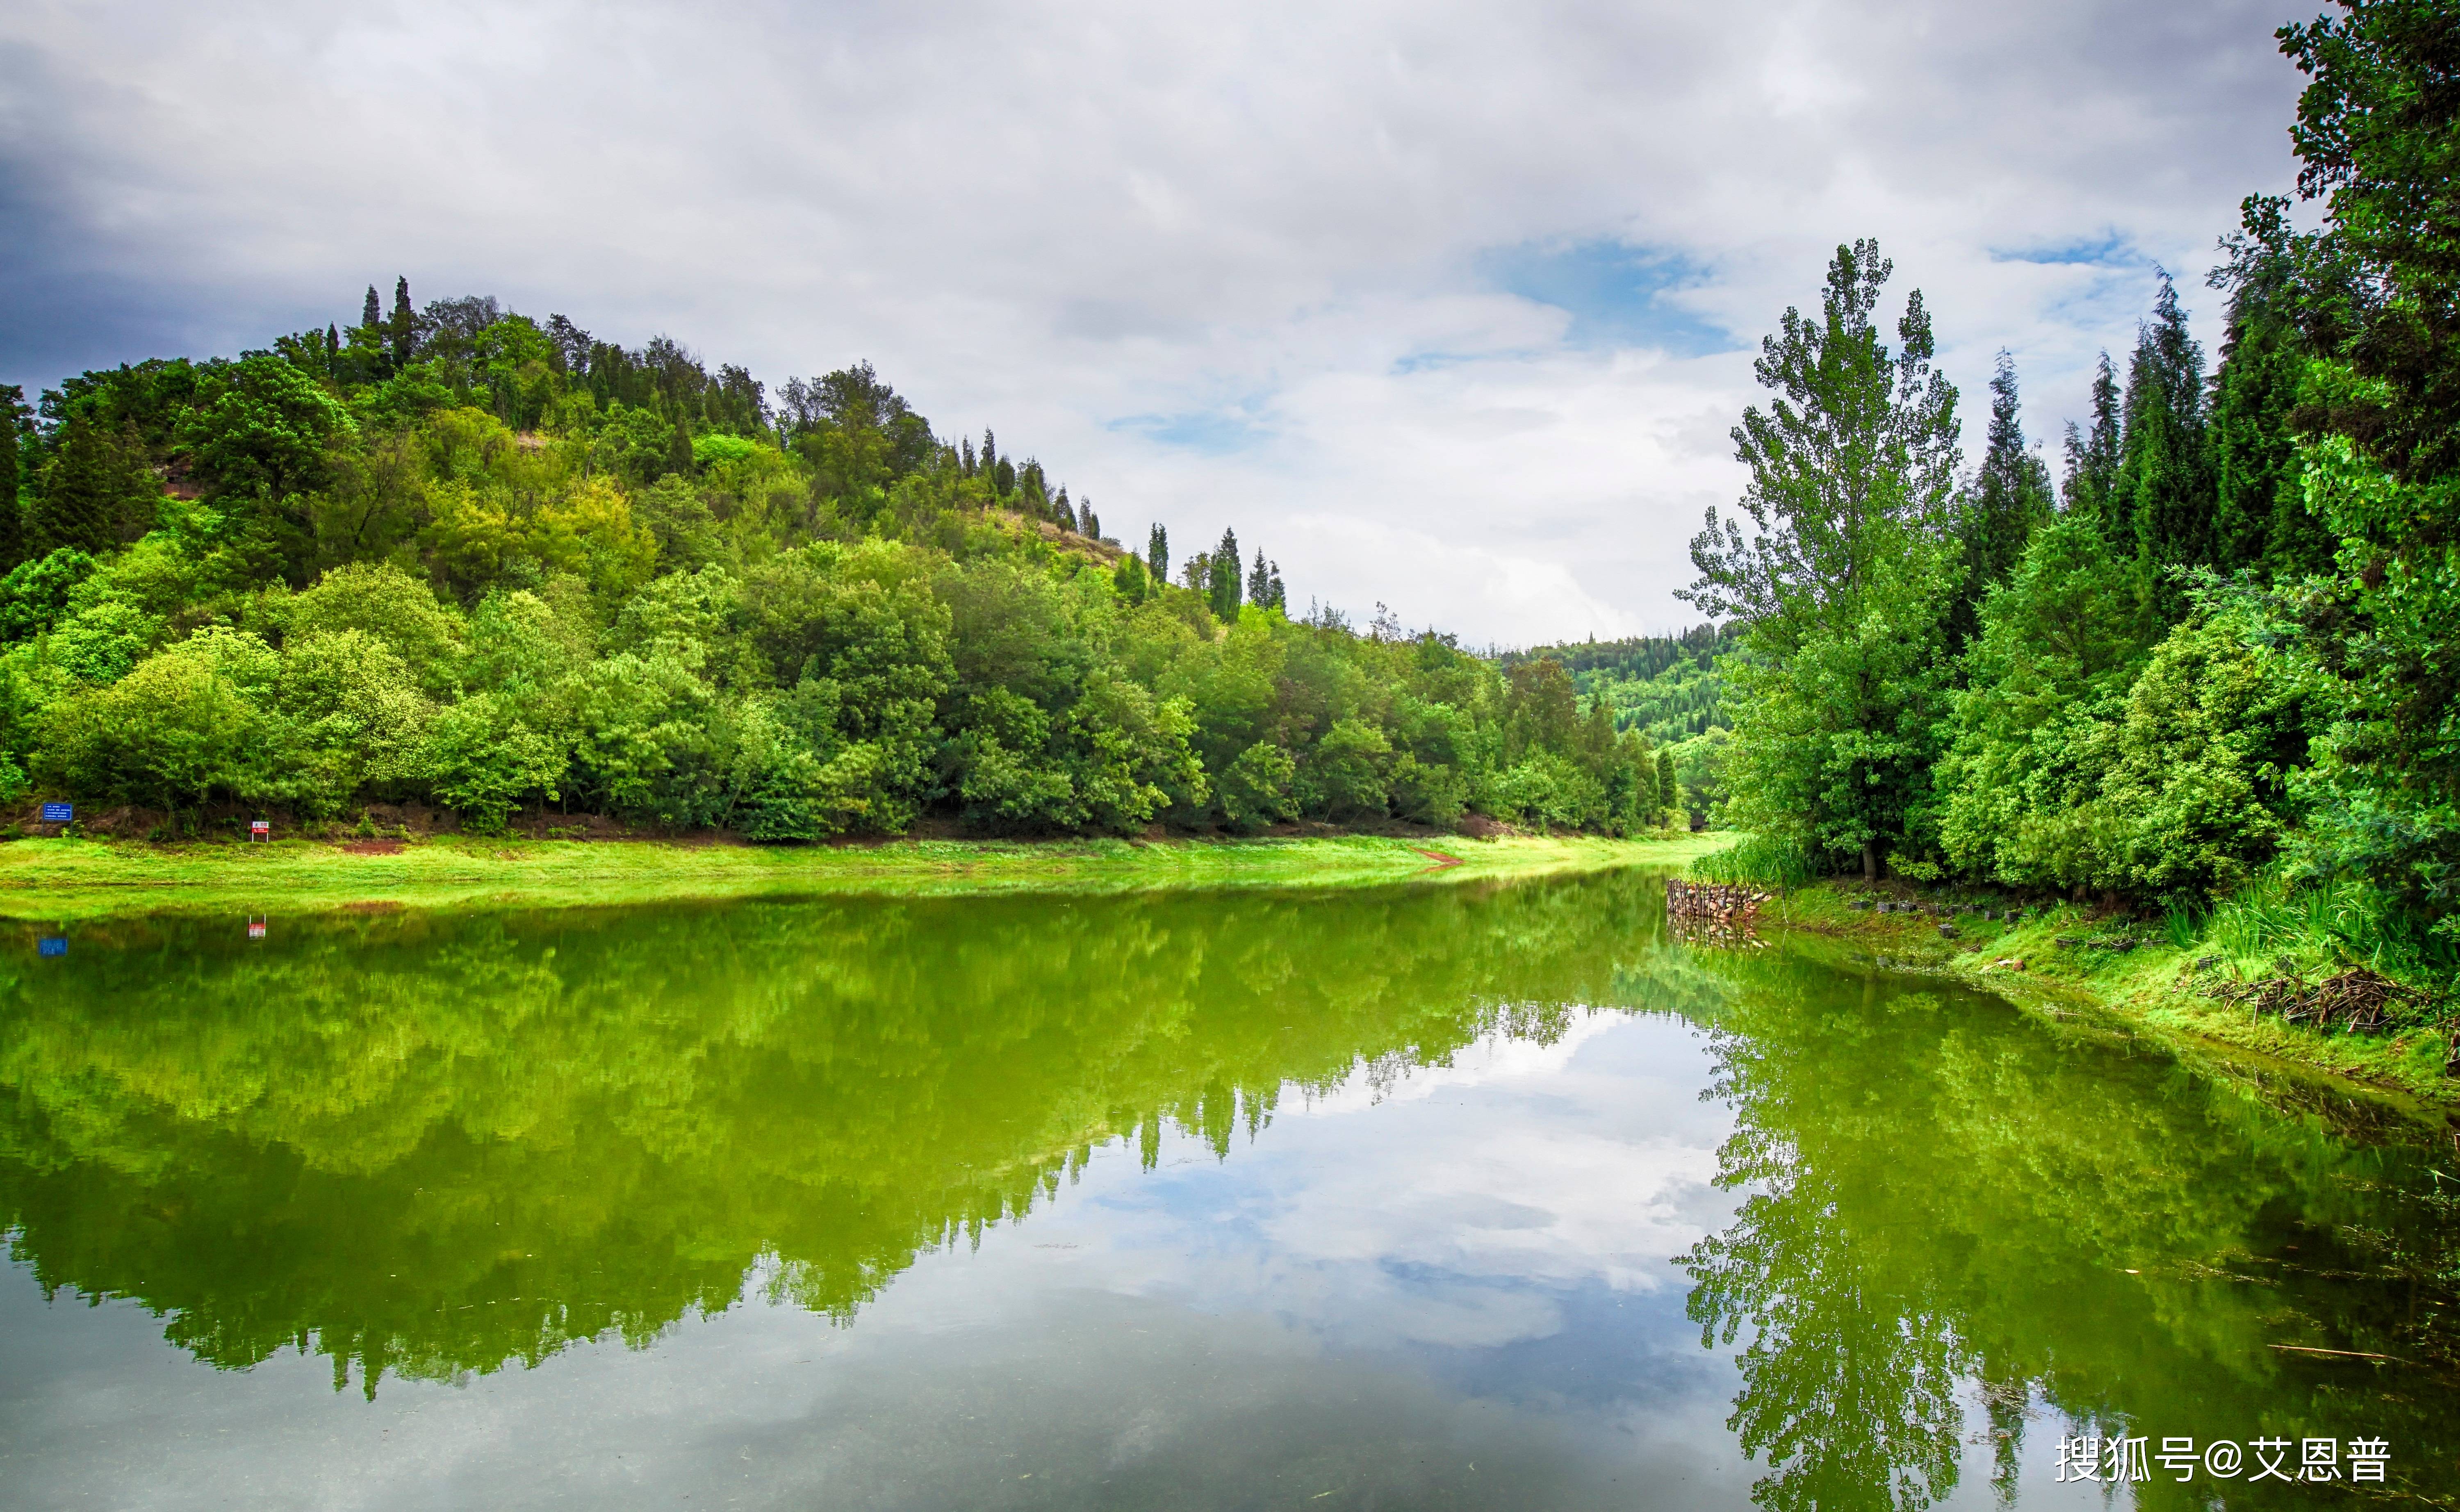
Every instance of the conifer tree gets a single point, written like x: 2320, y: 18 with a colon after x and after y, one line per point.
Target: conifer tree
x: 2092, y: 460
x: 2010, y: 498
x: 1221, y: 585
x: 1066, y: 510
x: 1093, y: 522
x: 85, y: 493
x: 679, y: 451
x: 12, y: 518
x: 966, y: 457
x: 402, y: 333
x: 2260, y: 515
x: 1281, y: 596
x: 2165, y: 487
x: 1259, y: 581
x: 1670, y: 787
x: 1158, y: 553
x: 372, y: 313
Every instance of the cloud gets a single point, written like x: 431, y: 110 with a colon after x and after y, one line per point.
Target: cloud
x: 1428, y: 300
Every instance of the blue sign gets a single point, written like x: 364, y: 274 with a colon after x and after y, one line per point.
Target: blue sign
x: 58, y: 813
x: 51, y: 944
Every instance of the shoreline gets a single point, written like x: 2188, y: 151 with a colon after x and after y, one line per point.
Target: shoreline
x: 2139, y: 992
x: 54, y: 881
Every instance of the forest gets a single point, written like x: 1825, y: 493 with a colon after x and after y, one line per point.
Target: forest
x: 2212, y: 667
x: 456, y: 555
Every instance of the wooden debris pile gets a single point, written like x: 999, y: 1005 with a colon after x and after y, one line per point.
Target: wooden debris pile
x: 1713, y: 912
x: 2356, y: 999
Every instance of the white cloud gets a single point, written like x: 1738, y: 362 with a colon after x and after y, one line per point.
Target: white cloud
x: 1266, y: 221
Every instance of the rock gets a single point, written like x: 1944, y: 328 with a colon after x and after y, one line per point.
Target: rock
x: 1947, y: 932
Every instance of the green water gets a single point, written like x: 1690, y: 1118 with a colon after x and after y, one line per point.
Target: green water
x: 1420, y: 1197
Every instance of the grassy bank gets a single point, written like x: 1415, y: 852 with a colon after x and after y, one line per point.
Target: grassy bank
x: 68, y: 880
x: 2155, y: 988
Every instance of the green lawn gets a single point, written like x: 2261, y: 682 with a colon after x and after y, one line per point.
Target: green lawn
x: 64, y: 879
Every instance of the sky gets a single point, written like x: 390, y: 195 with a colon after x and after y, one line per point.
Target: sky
x: 1447, y: 305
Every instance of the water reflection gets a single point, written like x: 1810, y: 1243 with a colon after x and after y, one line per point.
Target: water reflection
x: 1948, y: 1209
x: 424, y: 1146
x: 428, y: 1148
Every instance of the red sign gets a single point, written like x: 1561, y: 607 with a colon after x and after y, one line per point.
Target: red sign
x: 256, y: 929
x: 256, y: 827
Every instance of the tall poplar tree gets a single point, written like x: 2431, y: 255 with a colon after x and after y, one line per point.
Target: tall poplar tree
x: 1158, y: 553
x: 1846, y: 574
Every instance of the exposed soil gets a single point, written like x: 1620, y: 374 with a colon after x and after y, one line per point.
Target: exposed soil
x: 371, y: 847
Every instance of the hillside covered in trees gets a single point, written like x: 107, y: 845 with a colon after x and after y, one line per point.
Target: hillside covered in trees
x: 457, y: 556
x: 2218, y: 661
x: 1668, y: 688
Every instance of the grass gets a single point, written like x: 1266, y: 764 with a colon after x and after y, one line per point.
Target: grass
x: 62, y: 881
x: 2154, y: 987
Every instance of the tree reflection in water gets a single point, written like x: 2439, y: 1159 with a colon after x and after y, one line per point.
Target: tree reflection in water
x: 433, y: 1144
x: 1948, y: 1205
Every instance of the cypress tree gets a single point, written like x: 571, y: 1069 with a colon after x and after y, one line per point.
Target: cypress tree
x: 372, y: 313
x: 332, y: 341
x: 1259, y: 581
x: 2165, y: 489
x: 1221, y: 588
x: 1158, y: 553
x: 403, y: 331
x: 2093, y: 460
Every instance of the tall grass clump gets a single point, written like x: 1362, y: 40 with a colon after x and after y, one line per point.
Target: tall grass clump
x: 2320, y: 924
x: 1758, y: 861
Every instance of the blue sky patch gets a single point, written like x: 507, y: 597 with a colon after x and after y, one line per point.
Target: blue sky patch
x: 1213, y: 433
x: 1616, y: 293
x: 2109, y: 250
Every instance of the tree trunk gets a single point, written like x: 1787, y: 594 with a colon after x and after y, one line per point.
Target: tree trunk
x: 1870, y: 861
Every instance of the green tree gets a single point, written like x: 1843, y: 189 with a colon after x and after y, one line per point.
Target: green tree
x: 97, y: 492
x: 2092, y: 456
x: 2260, y: 519
x: 401, y: 331
x: 15, y: 544
x: 2011, y: 499
x: 2378, y: 134
x: 1846, y: 576
x: 1221, y: 577
x: 189, y: 723
x: 1158, y: 553
x: 1670, y: 787
x: 2164, y: 486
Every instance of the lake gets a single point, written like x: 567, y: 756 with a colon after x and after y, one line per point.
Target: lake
x: 1416, y: 1197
